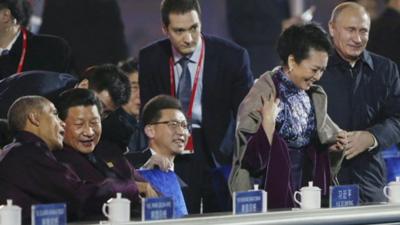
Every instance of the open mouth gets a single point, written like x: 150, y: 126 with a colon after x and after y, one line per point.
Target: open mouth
x: 180, y: 142
x: 87, y: 143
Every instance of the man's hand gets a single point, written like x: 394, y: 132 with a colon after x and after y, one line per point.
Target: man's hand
x: 146, y: 189
x: 157, y: 160
x: 358, y: 142
x: 341, y: 141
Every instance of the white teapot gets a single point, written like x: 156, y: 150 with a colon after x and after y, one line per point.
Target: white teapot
x: 392, y: 191
x: 117, y: 210
x: 10, y: 214
x: 310, y: 197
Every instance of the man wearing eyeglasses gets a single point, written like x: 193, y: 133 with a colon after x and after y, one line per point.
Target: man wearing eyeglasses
x: 167, y: 130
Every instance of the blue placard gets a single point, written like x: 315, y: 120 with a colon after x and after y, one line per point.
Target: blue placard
x: 157, y: 208
x: 254, y: 201
x: 344, y: 196
x: 49, y: 214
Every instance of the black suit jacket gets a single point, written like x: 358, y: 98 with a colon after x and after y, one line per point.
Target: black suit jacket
x: 44, y: 52
x: 226, y: 80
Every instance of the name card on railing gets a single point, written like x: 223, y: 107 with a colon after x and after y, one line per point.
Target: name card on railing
x: 49, y: 214
x: 253, y: 201
x: 344, y: 196
x: 157, y: 208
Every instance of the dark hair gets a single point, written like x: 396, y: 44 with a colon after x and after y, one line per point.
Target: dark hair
x: 21, y: 10
x: 297, y: 40
x: 21, y: 108
x: 178, y: 6
x: 76, y: 97
x: 110, y: 78
x: 152, y: 109
x: 129, y: 66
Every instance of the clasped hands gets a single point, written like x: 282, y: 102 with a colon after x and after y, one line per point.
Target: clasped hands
x: 352, y: 143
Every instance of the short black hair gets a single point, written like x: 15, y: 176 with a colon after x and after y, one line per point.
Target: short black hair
x: 178, y: 6
x: 112, y: 79
x: 152, y: 109
x: 21, y: 10
x: 131, y: 65
x: 76, y: 97
x: 298, y: 40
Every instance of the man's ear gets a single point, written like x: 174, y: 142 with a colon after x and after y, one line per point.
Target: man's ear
x: 84, y: 84
x: 149, y: 131
x: 33, y: 119
x: 164, y: 30
x: 5, y: 15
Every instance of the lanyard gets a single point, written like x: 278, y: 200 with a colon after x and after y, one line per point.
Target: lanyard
x: 24, y: 48
x: 196, y: 79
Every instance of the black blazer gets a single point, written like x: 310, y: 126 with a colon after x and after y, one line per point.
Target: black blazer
x: 226, y: 80
x: 44, y: 52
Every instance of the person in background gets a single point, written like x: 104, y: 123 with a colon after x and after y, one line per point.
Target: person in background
x: 364, y: 98
x: 385, y: 32
x: 20, y: 50
x: 282, y: 122
x: 210, y: 76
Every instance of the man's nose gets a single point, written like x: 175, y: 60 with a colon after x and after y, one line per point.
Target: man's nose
x: 188, y: 37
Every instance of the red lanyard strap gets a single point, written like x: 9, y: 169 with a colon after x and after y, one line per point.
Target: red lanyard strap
x: 24, y: 48
x: 196, y: 78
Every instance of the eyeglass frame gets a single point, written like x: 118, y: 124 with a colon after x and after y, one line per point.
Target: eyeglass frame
x: 186, y: 126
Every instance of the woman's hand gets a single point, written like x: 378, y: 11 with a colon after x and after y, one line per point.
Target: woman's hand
x: 269, y: 112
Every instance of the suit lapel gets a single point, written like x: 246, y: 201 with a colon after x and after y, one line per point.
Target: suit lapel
x: 209, y: 73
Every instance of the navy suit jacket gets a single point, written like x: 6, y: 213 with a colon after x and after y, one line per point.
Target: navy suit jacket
x: 226, y: 80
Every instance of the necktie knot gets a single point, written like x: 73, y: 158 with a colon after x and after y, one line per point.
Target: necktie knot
x: 183, y: 62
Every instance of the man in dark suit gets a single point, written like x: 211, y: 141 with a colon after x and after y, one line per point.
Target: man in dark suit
x: 364, y: 98
x: 210, y: 77
x: 20, y: 50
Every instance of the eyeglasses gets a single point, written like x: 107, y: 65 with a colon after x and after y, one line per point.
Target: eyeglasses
x: 173, y: 124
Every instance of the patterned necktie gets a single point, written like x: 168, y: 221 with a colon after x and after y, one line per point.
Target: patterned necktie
x: 185, y: 84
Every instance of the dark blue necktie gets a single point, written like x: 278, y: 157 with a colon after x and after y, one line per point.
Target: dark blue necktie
x: 185, y: 84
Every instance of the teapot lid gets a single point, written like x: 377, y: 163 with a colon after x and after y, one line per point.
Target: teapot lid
x: 118, y: 198
x: 310, y: 187
x: 10, y: 205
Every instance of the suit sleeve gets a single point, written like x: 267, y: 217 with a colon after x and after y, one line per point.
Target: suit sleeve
x: 387, y: 132
x: 243, y: 80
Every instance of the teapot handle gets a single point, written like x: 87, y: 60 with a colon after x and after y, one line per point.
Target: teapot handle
x: 385, y: 191
x: 105, y: 211
x: 297, y: 193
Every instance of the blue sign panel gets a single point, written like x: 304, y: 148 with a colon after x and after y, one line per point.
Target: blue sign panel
x: 254, y: 201
x: 344, y: 196
x: 157, y: 208
x: 49, y: 214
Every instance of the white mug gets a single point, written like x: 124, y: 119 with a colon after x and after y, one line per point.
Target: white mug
x: 310, y: 197
x: 10, y: 214
x: 392, y: 191
x: 117, y: 210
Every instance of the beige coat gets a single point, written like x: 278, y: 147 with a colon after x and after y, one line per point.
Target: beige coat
x: 249, y: 121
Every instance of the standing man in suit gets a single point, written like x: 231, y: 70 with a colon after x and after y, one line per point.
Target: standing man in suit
x: 210, y: 77
x: 363, y: 89
x: 20, y: 50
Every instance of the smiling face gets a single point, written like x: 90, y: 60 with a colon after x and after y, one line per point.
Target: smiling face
x: 165, y: 139
x: 184, y: 31
x: 309, y: 70
x: 83, y: 128
x: 350, y: 31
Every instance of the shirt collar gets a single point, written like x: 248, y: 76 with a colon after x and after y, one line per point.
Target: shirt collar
x: 194, y: 57
x: 9, y: 46
x: 365, y: 58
